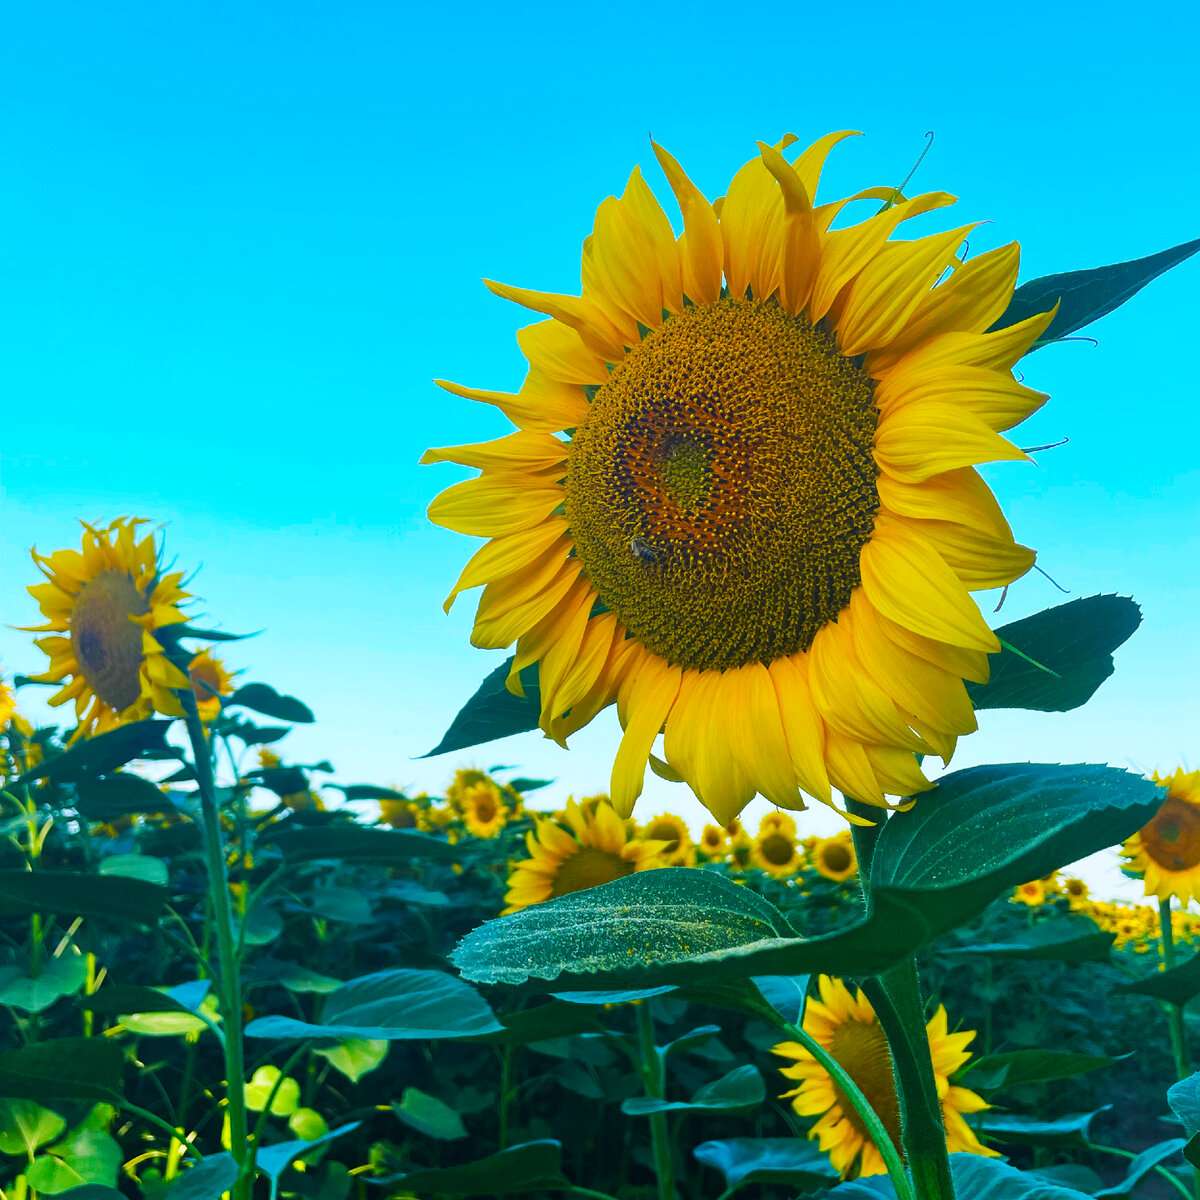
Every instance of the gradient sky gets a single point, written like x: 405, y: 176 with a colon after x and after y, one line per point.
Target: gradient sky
x: 240, y: 240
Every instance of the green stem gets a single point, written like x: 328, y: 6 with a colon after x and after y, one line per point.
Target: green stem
x: 505, y: 1094
x: 1179, y: 1046
x: 177, y: 1135
x: 227, y: 959
x: 654, y: 1078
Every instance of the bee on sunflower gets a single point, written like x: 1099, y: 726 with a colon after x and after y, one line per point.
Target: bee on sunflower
x: 846, y: 1026
x: 1166, y: 850
x: 104, y: 604
x: 741, y: 501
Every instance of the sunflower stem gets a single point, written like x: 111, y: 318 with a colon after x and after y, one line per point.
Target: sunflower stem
x: 654, y: 1078
x: 865, y: 837
x: 227, y: 956
x: 896, y: 998
x: 1179, y: 1046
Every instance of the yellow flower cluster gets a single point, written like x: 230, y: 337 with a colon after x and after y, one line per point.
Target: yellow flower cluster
x: 777, y: 849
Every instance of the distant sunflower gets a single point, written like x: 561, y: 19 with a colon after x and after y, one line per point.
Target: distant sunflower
x: 210, y: 681
x: 1076, y: 892
x: 399, y: 814
x: 305, y: 801
x: 846, y: 1026
x: 594, y: 848
x: 1166, y: 850
x: 8, y: 712
x: 463, y: 779
x: 109, y: 599
x: 775, y: 849
x: 268, y: 759
x: 714, y: 843
x: 679, y: 850
x: 1032, y: 893
x: 483, y: 812
x: 741, y: 502
x: 835, y: 858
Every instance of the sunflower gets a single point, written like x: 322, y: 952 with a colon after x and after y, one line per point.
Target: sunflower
x: 483, y: 812
x: 1166, y: 850
x: 108, y: 599
x: 741, y: 501
x: 775, y: 849
x: 679, y: 850
x: 469, y: 777
x: 713, y: 842
x: 1032, y: 893
x: 305, y: 801
x: 8, y: 703
x: 595, y: 847
x: 399, y: 814
x: 1076, y: 892
x: 210, y: 681
x: 845, y: 1025
x: 268, y: 759
x: 834, y: 857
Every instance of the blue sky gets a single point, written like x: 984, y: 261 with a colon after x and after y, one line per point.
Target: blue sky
x: 240, y: 240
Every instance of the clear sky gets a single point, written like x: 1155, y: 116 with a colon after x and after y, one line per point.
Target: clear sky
x: 238, y: 242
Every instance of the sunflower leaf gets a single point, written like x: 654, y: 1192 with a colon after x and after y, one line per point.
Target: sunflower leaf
x: 1056, y: 659
x: 791, y: 1161
x: 739, y: 1090
x: 117, y: 795
x: 1176, y: 986
x: 1018, y: 1067
x: 263, y: 698
x: 63, y: 1068
x: 493, y: 712
x: 1061, y: 939
x: 357, y: 842
x: 367, y: 791
x: 529, y: 1167
x: 974, y: 1177
x: 1086, y: 296
x: 105, y: 752
x: 72, y: 893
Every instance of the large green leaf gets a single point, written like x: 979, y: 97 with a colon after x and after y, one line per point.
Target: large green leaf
x: 1073, y: 1130
x: 530, y: 1167
x: 105, y: 752
x: 1140, y: 1167
x: 62, y: 976
x: 1075, y: 641
x: 977, y: 834
x: 65, y: 1068
x: 116, y: 795
x: 391, y: 1005
x: 272, y: 1161
x: 367, y: 791
x: 428, y: 1115
x: 25, y: 1125
x: 541, y: 1021
x: 358, y: 842
x: 975, y: 1178
x: 739, y: 1090
x: 1184, y: 1099
x: 1017, y: 1067
x: 1177, y: 986
x: 263, y: 698
x: 794, y: 1161
x: 211, y: 1177
x: 84, y: 1157
x: 1060, y: 939
x: 493, y: 712
x: 1086, y: 296
x: 78, y: 895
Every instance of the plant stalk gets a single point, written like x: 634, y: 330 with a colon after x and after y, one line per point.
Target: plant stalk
x: 1175, y: 1022
x: 227, y: 957
x: 654, y: 1078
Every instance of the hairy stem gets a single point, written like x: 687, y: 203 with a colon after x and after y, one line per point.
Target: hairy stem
x: 654, y: 1079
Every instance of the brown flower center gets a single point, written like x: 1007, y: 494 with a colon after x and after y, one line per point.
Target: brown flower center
x: 777, y: 850
x: 836, y: 858
x: 589, y: 867
x: 1172, y: 837
x: 106, y: 643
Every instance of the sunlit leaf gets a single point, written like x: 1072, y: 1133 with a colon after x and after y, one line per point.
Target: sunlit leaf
x: 355, y: 1057
x: 25, y: 1125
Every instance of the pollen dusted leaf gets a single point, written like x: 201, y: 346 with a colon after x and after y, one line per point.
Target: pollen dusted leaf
x: 530, y: 1167
x: 105, y: 752
x: 493, y: 712
x: 1086, y: 296
x: 1074, y: 640
x: 263, y: 698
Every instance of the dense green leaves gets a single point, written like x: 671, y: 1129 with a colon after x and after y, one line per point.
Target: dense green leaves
x: 493, y: 712
x: 25, y: 1125
x: 391, y: 1005
x: 1061, y: 939
x: 1086, y: 296
x: 65, y: 1068
x: 105, y: 752
x: 793, y: 1161
x: 75, y: 894
x: 1074, y: 642
x: 739, y: 1090
x: 530, y: 1167
x: 62, y: 976
x: 266, y: 700
x: 357, y: 843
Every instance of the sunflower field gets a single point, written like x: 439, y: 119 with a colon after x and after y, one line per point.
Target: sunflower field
x: 741, y: 506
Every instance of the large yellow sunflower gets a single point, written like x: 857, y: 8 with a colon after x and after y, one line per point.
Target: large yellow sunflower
x: 741, y: 502
x: 595, y: 847
x: 679, y: 850
x: 210, y: 681
x: 108, y: 599
x: 483, y: 812
x: 1166, y: 850
x: 845, y: 1025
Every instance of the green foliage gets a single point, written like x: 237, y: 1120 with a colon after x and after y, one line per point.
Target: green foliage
x: 1184, y: 1099
x: 741, y: 1089
x: 1063, y: 939
x: 65, y: 1068
x: 1177, y: 986
x: 117, y: 897
x: 791, y: 1161
x: 34, y: 993
x: 266, y: 700
x: 529, y: 1167
x: 493, y: 712
x: 428, y: 1115
x: 25, y: 1125
x: 356, y: 843
x: 1015, y: 1068
x: 106, y: 752
x: 974, y: 1178
x: 1086, y: 296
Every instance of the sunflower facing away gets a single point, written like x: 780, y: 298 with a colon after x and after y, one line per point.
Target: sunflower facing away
x: 741, y: 502
x: 210, y: 681
x: 834, y: 857
x: 102, y: 605
x: 845, y: 1025
x: 483, y: 812
x: 678, y: 850
x: 1166, y: 850
x: 594, y: 848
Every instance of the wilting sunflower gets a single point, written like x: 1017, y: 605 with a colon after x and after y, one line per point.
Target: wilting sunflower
x: 1032, y: 893
x: 845, y: 1025
x: 741, y: 501
x: 834, y: 857
x: 108, y: 599
x: 775, y: 849
x: 595, y: 847
x: 1166, y: 850
x: 678, y: 850
x: 210, y: 681
x: 483, y: 812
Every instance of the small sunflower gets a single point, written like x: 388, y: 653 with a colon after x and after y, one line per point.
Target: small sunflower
x: 845, y: 1025
x: 268, y: 759
x: 595, y: 847
x: 210, y: 681
x: 399, y: 814
x: 8, y: 703
x: 714, y: 843
x: 1166, y: 850
x: 1032, y: 893
x: 741, y: 502
x: 679, y: 850
x: 834, y: 857
x: 775, y: 849
x: 108, y: 599
x: 468, y: 777
x: 305, y: 801
x: 1076, y: 892
x: 483, y: 812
